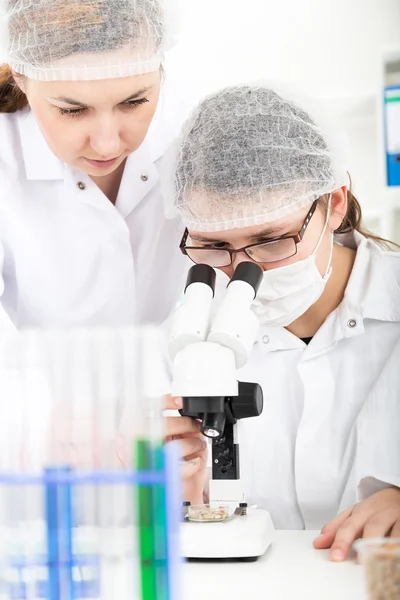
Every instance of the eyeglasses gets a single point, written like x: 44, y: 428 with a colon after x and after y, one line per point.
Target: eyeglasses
x: 273, y: 250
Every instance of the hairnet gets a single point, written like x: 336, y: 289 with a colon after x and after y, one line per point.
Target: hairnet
x: 250, y: 155
x: 53, y: 40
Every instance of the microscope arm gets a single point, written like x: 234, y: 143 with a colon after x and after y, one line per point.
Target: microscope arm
x: 225, y: 484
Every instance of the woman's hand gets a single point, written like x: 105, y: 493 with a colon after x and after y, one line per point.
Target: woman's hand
x: 377, y: 516
x: 194, y: 451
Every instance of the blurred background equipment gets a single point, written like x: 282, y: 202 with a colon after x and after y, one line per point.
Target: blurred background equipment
x: 85, y: 507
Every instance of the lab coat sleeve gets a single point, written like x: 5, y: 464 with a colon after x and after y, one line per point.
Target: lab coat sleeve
x: 6, y: 324
x: 378, y: 433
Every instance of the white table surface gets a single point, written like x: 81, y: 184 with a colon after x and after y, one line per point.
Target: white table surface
x: 290, y: 570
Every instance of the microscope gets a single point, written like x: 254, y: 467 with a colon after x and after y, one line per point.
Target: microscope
x: 206, y: 352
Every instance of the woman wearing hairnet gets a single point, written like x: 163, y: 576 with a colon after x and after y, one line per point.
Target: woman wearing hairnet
x: 83, y: 239
x: 257, y: 178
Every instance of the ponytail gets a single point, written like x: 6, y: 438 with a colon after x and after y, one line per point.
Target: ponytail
x: 353, y: 222
x: 12, y: 98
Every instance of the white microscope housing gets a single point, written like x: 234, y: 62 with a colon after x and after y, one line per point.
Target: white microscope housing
x: 206, y: 354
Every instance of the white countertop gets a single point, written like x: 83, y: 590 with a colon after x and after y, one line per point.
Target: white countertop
x: 290, y: 570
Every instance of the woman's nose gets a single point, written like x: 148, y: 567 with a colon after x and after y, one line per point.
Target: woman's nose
x: 105, y: 140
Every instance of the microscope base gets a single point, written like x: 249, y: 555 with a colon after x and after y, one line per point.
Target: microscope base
x: 246, y: 537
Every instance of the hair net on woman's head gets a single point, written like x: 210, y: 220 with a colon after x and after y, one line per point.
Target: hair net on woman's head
x: 53, y: 40
x: 249, y: 155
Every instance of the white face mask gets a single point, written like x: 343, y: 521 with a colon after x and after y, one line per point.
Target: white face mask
x: 287, y: 292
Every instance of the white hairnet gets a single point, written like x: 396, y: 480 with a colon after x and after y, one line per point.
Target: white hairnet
x: 53, y: 40
x: 249, y: 155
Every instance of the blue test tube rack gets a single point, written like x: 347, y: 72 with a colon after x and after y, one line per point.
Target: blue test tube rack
x: 55, y: 569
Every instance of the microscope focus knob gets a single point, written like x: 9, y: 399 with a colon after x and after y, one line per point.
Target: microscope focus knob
x: 249, y: 402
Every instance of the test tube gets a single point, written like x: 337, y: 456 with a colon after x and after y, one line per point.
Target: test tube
x: 115, y: 515
x: 71, y: 451
x: 148, y: 382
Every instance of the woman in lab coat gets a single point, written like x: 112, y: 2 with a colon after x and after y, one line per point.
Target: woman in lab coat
x: 257, y: 178
x: 83, y: 239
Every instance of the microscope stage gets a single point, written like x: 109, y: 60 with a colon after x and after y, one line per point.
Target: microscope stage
x: 244, y: 537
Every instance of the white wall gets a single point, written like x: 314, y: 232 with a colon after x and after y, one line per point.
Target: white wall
x: 331, y: 48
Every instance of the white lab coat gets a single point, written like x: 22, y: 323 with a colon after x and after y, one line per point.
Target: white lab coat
x: 68, y: 257
x: 329, y: 434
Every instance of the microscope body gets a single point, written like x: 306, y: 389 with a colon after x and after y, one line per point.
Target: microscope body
x: 206, y: 356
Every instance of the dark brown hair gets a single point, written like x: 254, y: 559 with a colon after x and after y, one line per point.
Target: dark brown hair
x: 352, y: 221
x: 11, y: 97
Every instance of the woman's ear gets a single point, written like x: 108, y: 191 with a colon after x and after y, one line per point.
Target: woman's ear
x: 338, y: 208
x: 19, y: 81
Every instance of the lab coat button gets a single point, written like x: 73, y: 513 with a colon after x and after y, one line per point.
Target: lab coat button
x: 81, y: 185
x: 265, y: 339
x: 144, y: 177
x: 352, y: 323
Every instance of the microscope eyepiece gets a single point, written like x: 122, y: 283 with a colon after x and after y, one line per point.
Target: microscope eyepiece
x: 201, y: 274
x: 250, y: 273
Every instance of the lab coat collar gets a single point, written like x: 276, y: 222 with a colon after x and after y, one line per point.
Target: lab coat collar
x: 373, y: 286
x: 139, y: 178
x: 40, y: 162
x: 162, y: 129
x: 141, y: 172
x: 373, y: 292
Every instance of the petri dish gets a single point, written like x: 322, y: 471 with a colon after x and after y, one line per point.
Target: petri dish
x: 207, y: 513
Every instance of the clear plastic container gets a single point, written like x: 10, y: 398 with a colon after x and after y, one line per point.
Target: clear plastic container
x: 381, y: 560
x: 89, y: 498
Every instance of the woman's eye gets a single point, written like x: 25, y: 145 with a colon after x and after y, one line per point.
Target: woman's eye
x: 264, y: 241
x: 135, y: 103
x: 71, y: 112
x: 215, y: 245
